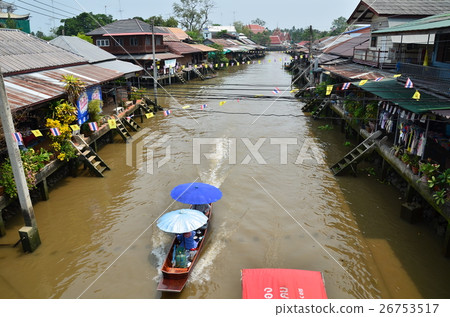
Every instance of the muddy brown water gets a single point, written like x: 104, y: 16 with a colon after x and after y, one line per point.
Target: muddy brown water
x: 99, y: 238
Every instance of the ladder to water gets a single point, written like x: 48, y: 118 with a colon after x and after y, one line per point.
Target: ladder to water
x: 180, y: 77
x: 123, y: 132
x: 90, y: 157
x: 199, y: 74
x: 319, y: 109
x: 354, y: 156
x: 129, y: 121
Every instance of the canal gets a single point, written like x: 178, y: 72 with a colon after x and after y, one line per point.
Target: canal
x: 281, y: 206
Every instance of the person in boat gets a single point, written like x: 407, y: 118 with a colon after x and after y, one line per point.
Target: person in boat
x: 205, y: 208
x: 187, y: 240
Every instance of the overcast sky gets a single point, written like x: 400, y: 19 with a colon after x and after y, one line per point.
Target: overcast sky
x: 281, y: 13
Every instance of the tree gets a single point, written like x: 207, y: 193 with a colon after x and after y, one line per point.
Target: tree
x: 239, y: 26
x: 258, y: 21
x: 159, y: 21
x: 338, y: 26
x: 193, y: 14
x: 85, y: 37
x: 262, y: 38
x: 83, y: 23
x: 195, y: 36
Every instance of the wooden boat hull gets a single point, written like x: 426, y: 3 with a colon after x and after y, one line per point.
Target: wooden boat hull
x: 174, y: 279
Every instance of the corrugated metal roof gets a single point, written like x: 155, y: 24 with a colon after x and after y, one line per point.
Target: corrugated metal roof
x: 365, y: 10
x: 149, y: 57
x: 22, y: 52
x: 181, y: 48
x: 355, y: 72
x: 180, y: 34
x: 125, y: 26
x: 442, y: 113
x: 83, y: 48
x: 203, y: 48
x: 120, y: 66
x: 346, y: 48
x: 26, y: 90
x: 424, y: 25
x: 390, y: 89
x: 6, y: 15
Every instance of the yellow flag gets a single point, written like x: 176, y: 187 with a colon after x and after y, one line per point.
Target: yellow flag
x: 248, y: 62
x: 425, y: 59
x: 222, y: 103
x: 294, y: 90
x: 217, y: 65
x: 238, y: 63
x: 36, y: 133
x: 416, y: 95
x: 149, y: 115
x: 301, y: 56
x: 397, y: 75
x: 281, y: 59
x: 185, y: 107
x: 329, y: 89
x: 182, y: 66
x: 363, y: 82
x: 157, y: 67
x: 259, y: 62
x: 226, y: 64
x: 291, y: 58
x: 269, y: 61
x: 206, y: 65
x: 75, y: 127
x: 195, y: 66
x: 112, y: 124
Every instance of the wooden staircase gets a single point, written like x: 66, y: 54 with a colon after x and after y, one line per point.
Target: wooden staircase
x: 90, y: 157
x: 180, y: 77
x: 354, y: 156
x: 123, y: 132
x: 128, y: 121
x: 145, y: 108
x: 199, y: 74
x: 323, y: 104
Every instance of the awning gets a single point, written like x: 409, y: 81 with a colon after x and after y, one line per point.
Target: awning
x: 391, y: 90
x: 120, y: 66
x: 355, y: 72
x: 282, y: 284
x: 149, y: 57
x: 26, y: 90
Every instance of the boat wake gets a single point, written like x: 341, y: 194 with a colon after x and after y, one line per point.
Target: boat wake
x: 218, y: 167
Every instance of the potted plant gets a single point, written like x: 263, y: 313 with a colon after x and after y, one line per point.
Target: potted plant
x: 405, y: 158
x: 397, y: 150
x: 414, y: 163
x: 429, y: 170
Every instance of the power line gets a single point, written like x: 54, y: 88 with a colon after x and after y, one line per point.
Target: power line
x: 53, y: 7
x: 30, y: 10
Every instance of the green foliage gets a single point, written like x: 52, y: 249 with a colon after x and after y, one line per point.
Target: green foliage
x: 258, y: 21
x: 338, y: 26
x: 239, y: 26
x: 325, y: 127
x: 429, y: 169
x: 347, y: 143
x: 83, y: 23
x: 195, y: 36
x: 170, y: 22
x: 221, y: 34
x: 218, y: 56
x: 193, y: 14
x: 10, y: 23
x: 262, y: 38
x: 371, y: 111
x: 95, y: 110
x: 32, y: 163
x: 85, y: 37
x: 321, y: 89
x: 74, y: 87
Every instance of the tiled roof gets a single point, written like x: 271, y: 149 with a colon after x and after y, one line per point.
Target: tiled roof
x: 255, y: 28
x: 126, y: 26
x: 180, y: 34
x: 274, y: 39
x: 22, y: 52
x: 203, y: 48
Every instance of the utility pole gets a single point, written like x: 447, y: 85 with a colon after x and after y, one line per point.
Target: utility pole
x: 29, y: 234
x: 311, y: 38
x: 155, y: 73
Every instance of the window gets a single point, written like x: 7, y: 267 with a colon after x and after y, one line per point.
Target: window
x: 158, y: 40
x: 443, y: 49
x: 148, y: 40
x: 118, y: 42
x: 373, y: 41
x: 134, y: 41
x: 102, y: 42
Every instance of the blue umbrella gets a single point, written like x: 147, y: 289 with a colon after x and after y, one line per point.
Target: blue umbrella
x: 182, y: 220
x: 196, y: 193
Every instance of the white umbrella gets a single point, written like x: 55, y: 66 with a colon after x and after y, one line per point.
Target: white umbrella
x: 182, y: 220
